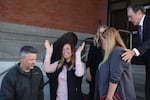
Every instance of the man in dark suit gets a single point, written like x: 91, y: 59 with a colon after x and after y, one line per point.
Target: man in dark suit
x: 136, y: 15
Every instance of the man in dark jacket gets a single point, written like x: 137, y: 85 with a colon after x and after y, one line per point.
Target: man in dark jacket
x: 25, y: 80
x: 136, y: 15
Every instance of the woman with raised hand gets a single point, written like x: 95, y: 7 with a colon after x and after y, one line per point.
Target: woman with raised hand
x: 68, y: 71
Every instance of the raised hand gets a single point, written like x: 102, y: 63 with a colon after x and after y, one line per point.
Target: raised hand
x: 48, y: 46
x: 81, y: 47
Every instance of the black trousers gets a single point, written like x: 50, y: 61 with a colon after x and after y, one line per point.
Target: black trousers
x: 92, y: 90
x: 147, y: 81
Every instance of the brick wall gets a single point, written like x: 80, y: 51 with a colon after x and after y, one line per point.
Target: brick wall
x: 70, y: 15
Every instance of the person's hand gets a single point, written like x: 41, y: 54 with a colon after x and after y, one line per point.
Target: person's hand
x: 48, y: 46
x: 127, y: 56
x: 81, y: 47
x: 88, y: 74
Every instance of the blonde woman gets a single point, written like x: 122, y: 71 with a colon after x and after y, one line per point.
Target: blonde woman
x: 68, y: 72
x: 95, y: 56
x: 113, y: 75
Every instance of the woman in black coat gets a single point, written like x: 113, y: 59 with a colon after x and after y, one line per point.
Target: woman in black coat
x: 95, y: 56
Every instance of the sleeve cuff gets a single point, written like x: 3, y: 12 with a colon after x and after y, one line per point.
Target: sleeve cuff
x: 114, y: 81
x: 137, y: 53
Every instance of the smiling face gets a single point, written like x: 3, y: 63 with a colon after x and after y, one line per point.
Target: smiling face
x: 67, y: 52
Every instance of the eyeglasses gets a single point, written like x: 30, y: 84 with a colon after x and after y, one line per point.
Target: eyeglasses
x: 100, y: 32
x: 101, y: 38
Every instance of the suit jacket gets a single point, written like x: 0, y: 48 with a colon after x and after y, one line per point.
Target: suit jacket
x: 145, y: 45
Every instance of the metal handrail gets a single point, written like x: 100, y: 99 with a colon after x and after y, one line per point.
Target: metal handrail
x: 128, y: 32
x: 84, y: 55
x: 5, y: 71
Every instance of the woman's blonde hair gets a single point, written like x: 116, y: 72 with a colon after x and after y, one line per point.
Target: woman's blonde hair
x: 62, y: 60
x: 112, y: 40
x: 97, y: 35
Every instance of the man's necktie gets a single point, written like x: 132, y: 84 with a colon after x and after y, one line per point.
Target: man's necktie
x: 140, y: 32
